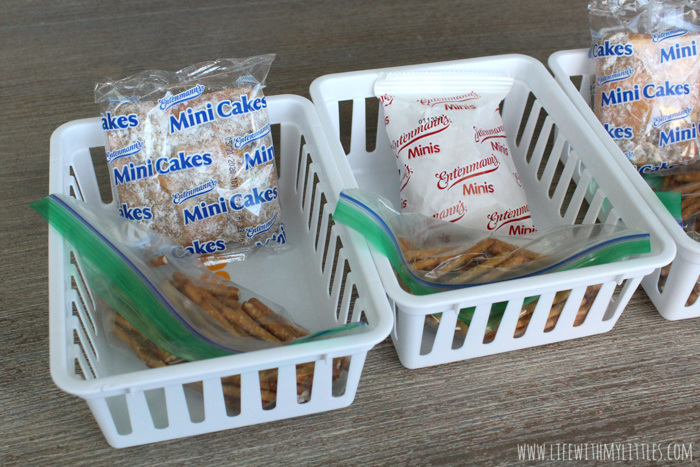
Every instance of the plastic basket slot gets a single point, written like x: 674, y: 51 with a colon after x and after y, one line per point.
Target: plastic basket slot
x: 373, y: 123
x: 346, y: 124
x: 102, y: 176
x: 356, y: 306
x: 301, y: 159
x: 595, y: 208
x: 542, y: 141
x: 477, y: 326
x: 139, y: 413
x: 534, y: 119
x: 323, y: 223
x: 565, y: 185
x: 83, y: 341
x: 570, y: 211
x: 275, y: 130
x: 521, y: 108
x: 78, y: 282
x: 601, y: 301
x: 552, y: 164
x: 345, y: 300
x: 74, y: 186
x: 156, y: 400
x: 224, y: 391
x: 445, y: 335
x: 573, y: 304
x: 337, y: 278
x: 540, y: 315
x: 82, y: 367
x: 80, y: 312
x: 318, y: 200
x: 620, y: 298
x: 330, y: 267
x: 119, y: 415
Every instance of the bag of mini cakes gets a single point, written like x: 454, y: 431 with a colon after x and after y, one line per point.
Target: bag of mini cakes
x: 190, y: 155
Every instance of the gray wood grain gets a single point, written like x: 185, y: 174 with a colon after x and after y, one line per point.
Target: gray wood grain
x: 635, y: 384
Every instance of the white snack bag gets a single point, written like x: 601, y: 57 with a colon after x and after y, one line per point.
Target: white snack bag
x: 450, y: 146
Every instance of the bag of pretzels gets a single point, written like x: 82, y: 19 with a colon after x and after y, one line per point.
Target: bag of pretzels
x: 155, y: 288
x: 431, y: 255
x: 190, y: 155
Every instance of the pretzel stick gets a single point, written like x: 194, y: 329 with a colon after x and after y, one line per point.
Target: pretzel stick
x: 691, y: 207
x: 455, y: 263
x: 499, y: 247
x: 143, y: 353
x: 431, y: 262
x: 272, y: 325
x: 236, y: 316
x: 686, y: 189
x: 165, y: 357
x: 295, y: 331
x: 687, y: 177
x: 415, y: 255
x: 473, y: 273
x: 196, y: 295
x: 516, y: 259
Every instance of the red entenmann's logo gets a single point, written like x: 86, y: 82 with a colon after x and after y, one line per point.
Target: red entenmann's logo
x: 447, y: 180
x: 424, y: 129
x: 499, y: 219
x: 453, y: 213
x: 482, y: 135
x: 386, y: 100
x: 442, y: 100
x: 407, y: 172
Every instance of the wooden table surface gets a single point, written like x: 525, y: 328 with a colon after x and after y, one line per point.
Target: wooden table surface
x: 636, y: 384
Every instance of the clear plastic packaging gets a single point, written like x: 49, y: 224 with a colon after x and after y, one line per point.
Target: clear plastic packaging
x: 430, y: 255
x: 646, y: 85
x: 165, y: 293
x: 190, y: 155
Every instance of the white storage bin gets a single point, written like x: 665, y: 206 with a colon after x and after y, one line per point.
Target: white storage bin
x: 675, y: 296
x: 326, y: 278
x: 550, y: 142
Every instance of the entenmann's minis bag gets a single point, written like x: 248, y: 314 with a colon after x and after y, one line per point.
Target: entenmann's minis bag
x: 451, y: 149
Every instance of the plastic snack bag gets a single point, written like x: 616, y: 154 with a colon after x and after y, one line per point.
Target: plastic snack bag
x: 451, y: 149
x: 431, y: 255
x: 647, y: 92
x: 190, y: 155
x: 165, y: 293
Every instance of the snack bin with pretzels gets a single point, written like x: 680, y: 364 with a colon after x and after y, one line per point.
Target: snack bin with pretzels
x: 326, y: 274
x: 674, y: 288
x: 568, y: 180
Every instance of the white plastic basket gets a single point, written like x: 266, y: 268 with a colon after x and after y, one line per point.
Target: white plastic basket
x: 547, y: 136
x: 670, y: 296
x: 325, y: 278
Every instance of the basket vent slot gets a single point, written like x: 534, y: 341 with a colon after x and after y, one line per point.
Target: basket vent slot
x: 231, y: 388
x: 341, y: 367
x: 99, y: 164
x: 301, y: 159
x: 372, y: 123
x: 523, y: 122
x: 275, y: 132
x: 345, y: 109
